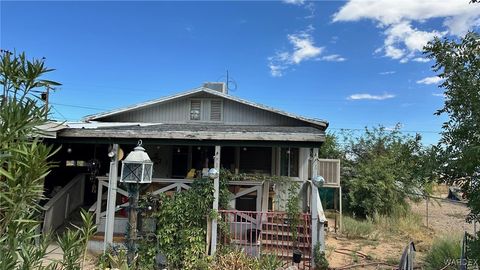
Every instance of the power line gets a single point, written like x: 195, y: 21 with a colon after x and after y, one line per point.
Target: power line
x: 79, y: 106
x: 63, y: 116
x: 402, y: 131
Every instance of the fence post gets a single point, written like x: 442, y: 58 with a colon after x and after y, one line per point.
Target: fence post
x: 427, y: 201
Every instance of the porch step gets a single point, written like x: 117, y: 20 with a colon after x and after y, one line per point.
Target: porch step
x: 100, y: 236
x: 289, y: 244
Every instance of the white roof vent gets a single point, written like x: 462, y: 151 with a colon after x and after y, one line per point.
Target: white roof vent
x: 216, y: 86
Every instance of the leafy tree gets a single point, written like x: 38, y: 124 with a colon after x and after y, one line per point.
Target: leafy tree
x: 458, y: 64
x: 331, y: 148
x: 381, y: 169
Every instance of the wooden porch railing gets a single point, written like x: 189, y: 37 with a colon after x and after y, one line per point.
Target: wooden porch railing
x: 58, y: 208
x: 261, y: 233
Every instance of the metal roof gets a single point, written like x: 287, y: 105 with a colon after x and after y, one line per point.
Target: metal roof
x: 319, y: 123
x: 198, y: 132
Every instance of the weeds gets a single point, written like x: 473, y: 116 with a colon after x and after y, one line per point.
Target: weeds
x: 358, y: 229
x: 381, y: 225
x: 443, y: 251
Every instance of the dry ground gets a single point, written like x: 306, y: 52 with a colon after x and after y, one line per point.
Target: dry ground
x: 444, y: 218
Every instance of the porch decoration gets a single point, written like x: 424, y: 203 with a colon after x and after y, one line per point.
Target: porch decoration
x: 318, y: 181
x: 136, y: 169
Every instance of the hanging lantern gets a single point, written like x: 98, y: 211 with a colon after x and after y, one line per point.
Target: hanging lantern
x: 137, y: 167
x: 318, y: 181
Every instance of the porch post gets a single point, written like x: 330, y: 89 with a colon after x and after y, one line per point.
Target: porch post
x: 314, y: 203
x: 216, y: 186
x: 111, y: 199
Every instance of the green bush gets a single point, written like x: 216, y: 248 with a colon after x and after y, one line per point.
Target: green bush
x: 321, y: 262
x: 270, y: 262
x: 443, y: 251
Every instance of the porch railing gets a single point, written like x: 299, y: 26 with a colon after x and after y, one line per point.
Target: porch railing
x: 262, y: 233
x: 329, y: 169
x: 57, y: 209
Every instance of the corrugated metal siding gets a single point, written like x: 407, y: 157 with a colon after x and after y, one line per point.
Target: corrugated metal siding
x: 179, y: 112
x: 172, y: 112
x: 236, y: 113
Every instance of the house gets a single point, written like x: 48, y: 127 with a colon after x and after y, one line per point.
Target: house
x: 188, y: 131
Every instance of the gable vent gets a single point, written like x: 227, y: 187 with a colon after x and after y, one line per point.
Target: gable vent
x: 195, y: 107
x: 216, y: 110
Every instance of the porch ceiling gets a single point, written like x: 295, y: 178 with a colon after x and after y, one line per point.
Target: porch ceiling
x: 195, y: 132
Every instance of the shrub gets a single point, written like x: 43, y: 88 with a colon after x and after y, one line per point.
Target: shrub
x: 234, y: 259
x: 443, y: 251
x: 319, y: 259
x: 270, y: 262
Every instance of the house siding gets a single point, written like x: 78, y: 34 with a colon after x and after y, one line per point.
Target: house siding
x: 178, y: 111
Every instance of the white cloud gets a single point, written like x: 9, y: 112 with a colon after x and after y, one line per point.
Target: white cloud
x: 387, y: 72
x: 370, y: 97
x: 438, y: 95
x: 421, y: 59
x: 430, y: 80
x: 303, y: 49
x: 333, y: 58
x: 402, y: 40
x: 294, y: 2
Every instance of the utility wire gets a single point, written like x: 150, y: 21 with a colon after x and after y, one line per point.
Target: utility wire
x: 79, y: 106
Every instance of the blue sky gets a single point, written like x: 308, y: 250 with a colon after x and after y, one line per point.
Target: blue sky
x: 354, y: 63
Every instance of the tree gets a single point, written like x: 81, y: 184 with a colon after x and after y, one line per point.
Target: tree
x: 381, y: 169
x: 458, y: 64
x: 331, y: 147
x: 23, y: 167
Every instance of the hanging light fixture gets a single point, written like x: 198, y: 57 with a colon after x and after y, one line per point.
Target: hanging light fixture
x: 318, y: 181
x: 213, y: 173
x: 137, y: 166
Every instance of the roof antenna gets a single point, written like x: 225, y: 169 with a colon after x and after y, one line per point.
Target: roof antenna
x: 229, y: 82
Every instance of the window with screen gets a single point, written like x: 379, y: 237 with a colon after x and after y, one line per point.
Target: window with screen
x: 289, y: 162
x: 195, y: 109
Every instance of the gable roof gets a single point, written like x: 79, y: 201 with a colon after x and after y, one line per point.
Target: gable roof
x: 315, y: 122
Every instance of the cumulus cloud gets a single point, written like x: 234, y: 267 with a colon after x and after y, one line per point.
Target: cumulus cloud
x: 430, y: 80
x: 370, y: 97
x: 303, y: 49
x: 395, y: 17
x: 438, y: 95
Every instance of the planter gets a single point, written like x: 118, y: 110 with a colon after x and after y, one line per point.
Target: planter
x: 297, y: 256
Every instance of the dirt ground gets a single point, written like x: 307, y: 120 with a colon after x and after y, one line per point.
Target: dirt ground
x: 444, y: 218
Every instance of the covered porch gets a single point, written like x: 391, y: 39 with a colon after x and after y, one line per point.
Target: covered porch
x: 253, y: 158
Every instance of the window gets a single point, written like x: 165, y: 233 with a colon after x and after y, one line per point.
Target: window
x: 289, y: 162
x: 256, y: 160
x: 215, y: 110
x: 195, y: 108
x: 208, y: 110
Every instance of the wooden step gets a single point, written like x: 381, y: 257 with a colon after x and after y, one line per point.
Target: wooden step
x: 283, y: 233
x: 100, y: 236
x: 284, y: 243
